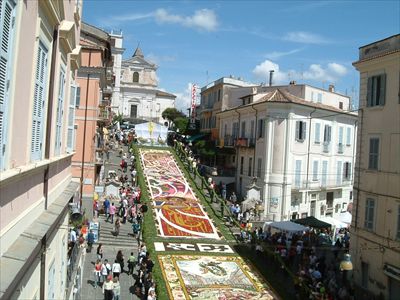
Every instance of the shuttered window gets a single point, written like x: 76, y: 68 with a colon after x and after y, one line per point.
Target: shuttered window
x: 348, y: 136
x: 373, y: 154
x: 300, y: 131
x: 324, y: 173
x: 297, y: 174
x: 339, y: 173
x: 60, y: 112
x: 327, y: 134
x: 7, y: 15
x: 317, y: 133
x: 376, y: 90
x: 71, y: 119
x: 39, y: 102
x: 315, y: 170
x: 341, y: 135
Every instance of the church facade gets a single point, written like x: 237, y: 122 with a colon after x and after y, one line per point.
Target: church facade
x: 138, y: 98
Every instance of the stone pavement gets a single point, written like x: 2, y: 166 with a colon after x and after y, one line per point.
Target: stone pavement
x: 111, y: 244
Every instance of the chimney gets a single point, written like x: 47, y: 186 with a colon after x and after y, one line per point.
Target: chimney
x: 331, y: 88
x: 271, y: 74
x: 293, y: 82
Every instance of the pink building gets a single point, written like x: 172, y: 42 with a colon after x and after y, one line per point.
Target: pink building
x: 39, y: 56
x: 93, y: 111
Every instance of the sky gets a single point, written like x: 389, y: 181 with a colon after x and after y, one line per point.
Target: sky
x: 312, y: 42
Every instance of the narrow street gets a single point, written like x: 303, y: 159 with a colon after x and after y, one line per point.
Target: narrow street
x: 111, y: 245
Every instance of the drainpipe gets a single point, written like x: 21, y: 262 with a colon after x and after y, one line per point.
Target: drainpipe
x: 237, y: 151
x: 84, y: 127
x: 255, y: 141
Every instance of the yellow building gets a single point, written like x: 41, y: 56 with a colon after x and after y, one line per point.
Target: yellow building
x: 375, y: 239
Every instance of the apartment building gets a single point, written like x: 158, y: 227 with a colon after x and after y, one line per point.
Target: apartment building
x: 375, y: 230
x: 40, y: 54
x: 93, y: 109
x: 300, y: 149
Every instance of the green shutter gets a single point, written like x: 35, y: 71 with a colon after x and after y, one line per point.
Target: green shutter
x: 369, y: 92
x: 60, y: 112
x: 71, y: 119
x: 382, y: 92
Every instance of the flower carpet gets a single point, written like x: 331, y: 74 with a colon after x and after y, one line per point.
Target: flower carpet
x: 177, y: 210
x: 211, y: 277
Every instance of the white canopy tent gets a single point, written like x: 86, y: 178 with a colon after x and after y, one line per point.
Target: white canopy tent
x: 335, y: 223
x: 286, y: 226
x: 345, y: 217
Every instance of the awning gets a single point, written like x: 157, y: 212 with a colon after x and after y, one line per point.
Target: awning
x: 312, y: 222
x: 336, y: 223
x: 195, y: 137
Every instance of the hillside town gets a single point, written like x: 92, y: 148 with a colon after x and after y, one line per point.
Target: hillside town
x: 113, y: 187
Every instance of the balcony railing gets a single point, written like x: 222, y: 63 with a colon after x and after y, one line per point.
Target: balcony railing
x: 319, y: 184
x: 340, y: 148
x: 326, y: 147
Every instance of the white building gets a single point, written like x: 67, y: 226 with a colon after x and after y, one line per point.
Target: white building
x: 301, y: 172
x: 136, y: 93
x: 116, y: 51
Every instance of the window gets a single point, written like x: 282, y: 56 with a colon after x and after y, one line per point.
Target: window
x: 340, y: 105
x: 243, y: 132
x: 297, y: 173
x: 225, y: 129
x: 60, y: 112
x: 348, y: 136
x: 260, y: 131
x: 376, y: 90
x: 219, y: 95
x: 250, y: 166
x: 315, y: 170
x: 319, y: 98
x: 369, y: 214
x: 133, y: 113
x: 71, y: 119
x: 235, y: 130
x: 317, y: 136
x: 327, y: 134
x: 398, y: 223
x: 252, y: 129
x: 340, y: 135
x: 135, y: 77
x: 300, y: 131
x: 7, y: 11
x: 373, y: 154
x: 312, y: 96
x: 259, y: 165
x: 347, y: 171
x: 339, y: 173
x: 78, y: 96
x: 39, y: 102
x: 241, y: 165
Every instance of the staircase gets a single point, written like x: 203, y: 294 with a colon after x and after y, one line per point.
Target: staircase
x: 124, y: 239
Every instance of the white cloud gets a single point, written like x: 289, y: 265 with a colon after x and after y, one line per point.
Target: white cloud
x: 132, y: 17
x: 305, y: 38
x: 279, y: 54
x: 157, y: 59
x: 184, y: 99
x: 332, y: 72
x: 204, y: 19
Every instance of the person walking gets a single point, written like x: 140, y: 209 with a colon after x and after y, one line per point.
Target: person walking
x: 104, y: 271
x: 131, y: 263
x: 120, y: 260
x: 100, y: 251
x: 108, y: 289
x: 116, y: 288
x: 112, y: 210
x: 106, y: 205
x: 117, y: 226
x: 135, y: 228
x: 90, y: 241
x: 97, y: 273
x: 116, y: 269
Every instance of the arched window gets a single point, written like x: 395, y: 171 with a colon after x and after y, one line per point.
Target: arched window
x: 135, y: 77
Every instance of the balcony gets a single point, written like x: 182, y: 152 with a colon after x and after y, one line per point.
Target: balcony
x: 242, y: 142
x: 319, y: 184
x: 326, y: 147
x: 340, y: 148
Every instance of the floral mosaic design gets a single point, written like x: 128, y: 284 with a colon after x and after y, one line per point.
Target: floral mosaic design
x: 211, y: 277
x: 177, y: 210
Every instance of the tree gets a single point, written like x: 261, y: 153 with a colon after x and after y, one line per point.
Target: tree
x: 181, y: 123
x: 170, y: 114
x: 117, y: 118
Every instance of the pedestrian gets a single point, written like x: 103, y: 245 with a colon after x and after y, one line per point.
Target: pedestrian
x: 135, y: 228
x: 116, y: 288
x: 90, y: 241
x: 95, y: 209
x: 97, y: 273
x: 116, y: 269
x: 131, y: 263
x: 120, y: 259
x: 106, y: 205
x: 223, y: 191
x: 112, y: 210
x: 108, y: 266
x: 100, y: 251
x: 117, y: 226
x: 142, y: 252
x: 108, y: 289
x: 72, y: 236
x: 104, y: 271
x: 233, y: 198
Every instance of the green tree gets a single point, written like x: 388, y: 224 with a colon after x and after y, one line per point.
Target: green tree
x: 170, y: 114
x: 181, y: 123
x: 117, y: 118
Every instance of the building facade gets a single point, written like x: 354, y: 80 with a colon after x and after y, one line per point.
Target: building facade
x: 93, y: 110
x: 40, y: 54
x: 139, y: 99
x: 375, y: 230
x: 301, y: 152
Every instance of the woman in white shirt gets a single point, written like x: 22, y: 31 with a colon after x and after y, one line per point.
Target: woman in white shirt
x: 116, y: 269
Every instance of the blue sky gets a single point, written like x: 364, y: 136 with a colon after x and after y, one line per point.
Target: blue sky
x: 311, y: 42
